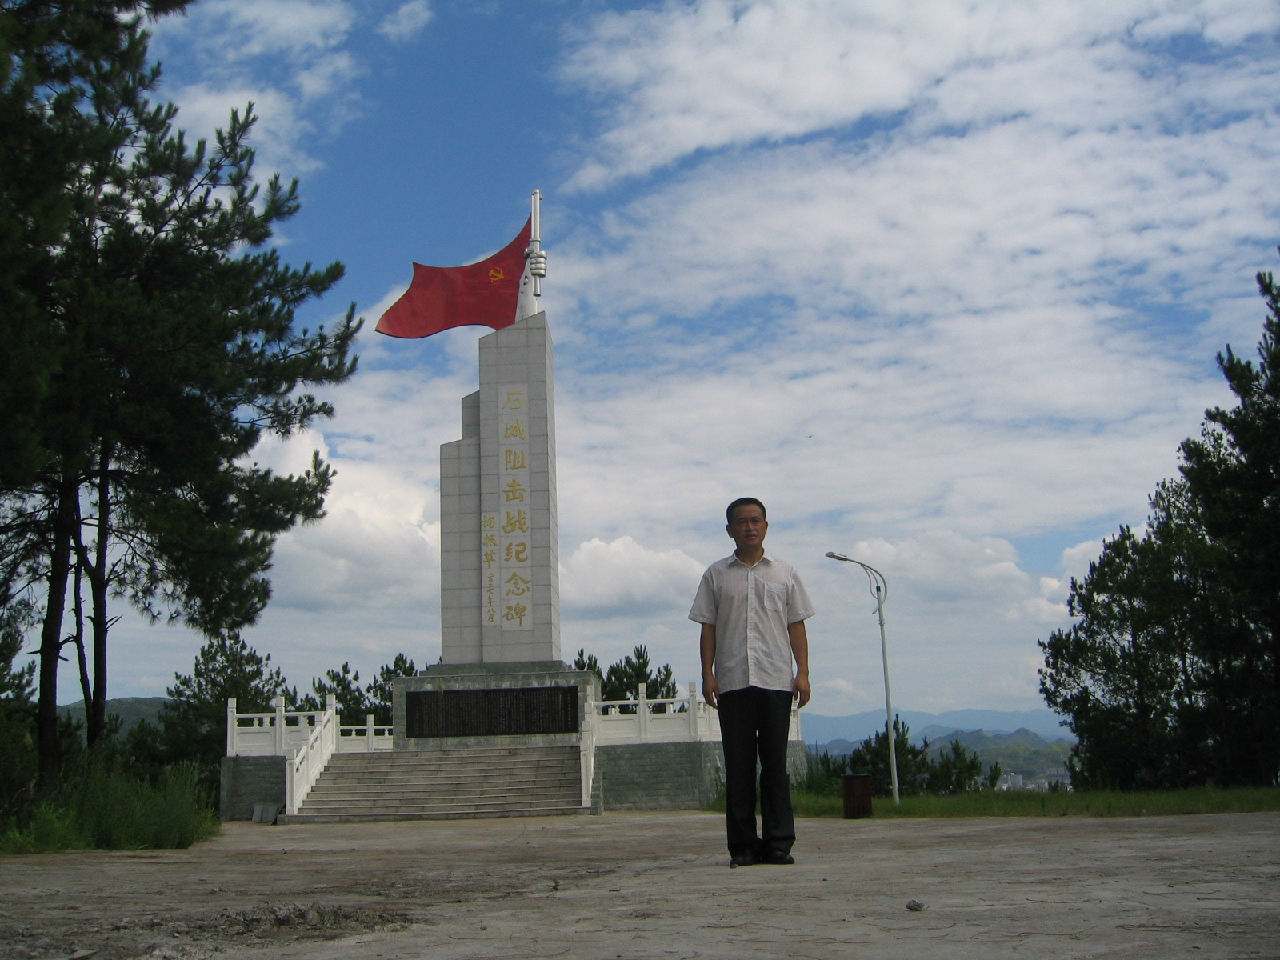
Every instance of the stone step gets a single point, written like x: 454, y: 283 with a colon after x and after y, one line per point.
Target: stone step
x: 453, y: 764
x: 391, y: 804
x: 514, y: 776
x: 473, y: 813
x: 328, y: 791
x: 456, y: 774
x: 445, y: 753
x: 384, y: 812
x: 510, y: 782
x: 451, y: 783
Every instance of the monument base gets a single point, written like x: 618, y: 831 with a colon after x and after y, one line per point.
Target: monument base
x: 541, y: 702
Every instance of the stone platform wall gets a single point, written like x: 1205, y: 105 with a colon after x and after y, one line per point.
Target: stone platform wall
x: 668, y: 776
x: 248, y: 782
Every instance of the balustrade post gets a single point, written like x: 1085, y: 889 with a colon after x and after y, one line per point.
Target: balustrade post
x: 693, y: 712
x: 278, y: 703
x: 368, y: 732
x: 231, y: 726
x: 642, y: 711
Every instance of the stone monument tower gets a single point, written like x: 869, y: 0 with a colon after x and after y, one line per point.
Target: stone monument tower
x: 500, y: 587
x: 500, y: 673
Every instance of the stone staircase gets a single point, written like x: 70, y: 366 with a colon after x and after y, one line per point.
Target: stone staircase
x: 452, y: 783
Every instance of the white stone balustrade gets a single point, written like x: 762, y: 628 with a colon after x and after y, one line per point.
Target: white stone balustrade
x: 306, y: 765
x: 667, y: 720
x: 284, y: 732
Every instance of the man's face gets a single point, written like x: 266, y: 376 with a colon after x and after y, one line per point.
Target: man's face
x: 748, y: 526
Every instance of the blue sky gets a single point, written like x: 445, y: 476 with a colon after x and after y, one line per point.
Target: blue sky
x: 941, y: 282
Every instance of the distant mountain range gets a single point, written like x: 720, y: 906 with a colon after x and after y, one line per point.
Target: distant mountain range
x: 1031, y: 743
x: 130, y: 710
x: 819, y: 730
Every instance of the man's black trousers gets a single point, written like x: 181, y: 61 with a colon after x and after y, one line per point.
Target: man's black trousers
x: 754, y: 725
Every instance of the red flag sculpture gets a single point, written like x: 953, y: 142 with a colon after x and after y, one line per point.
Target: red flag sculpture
x: 440, y: 298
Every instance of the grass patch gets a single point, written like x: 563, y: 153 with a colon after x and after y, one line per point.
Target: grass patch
x: 1030, y: 803
x: 109, y: 810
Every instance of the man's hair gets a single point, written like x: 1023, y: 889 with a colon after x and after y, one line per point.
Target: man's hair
x: 744, y: 502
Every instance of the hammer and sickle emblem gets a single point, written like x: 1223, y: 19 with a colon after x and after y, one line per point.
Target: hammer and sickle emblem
x: 496, y: 274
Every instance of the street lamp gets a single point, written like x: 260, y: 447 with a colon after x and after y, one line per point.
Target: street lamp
x: 880, y: 589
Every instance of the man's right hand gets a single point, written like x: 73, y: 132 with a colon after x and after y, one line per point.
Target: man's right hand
x: 711, y: 691
x: 707, y: 654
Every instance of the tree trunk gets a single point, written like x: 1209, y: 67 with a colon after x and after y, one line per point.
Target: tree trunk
x: 77, y: 612
x: 97, y: 711
x: 48, y: 748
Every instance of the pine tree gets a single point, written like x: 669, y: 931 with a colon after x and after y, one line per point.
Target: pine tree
x: 1171, y: 674
x: 54, y: 56
x: 872, y: 757
x: 352, y: 703
x: 623, y: 678
x: 17, y: 714
x: 380, y: 691
x: 1114, y: 671
x: 167, y: 348
x: 193, y: 723
x: 1233, y: 474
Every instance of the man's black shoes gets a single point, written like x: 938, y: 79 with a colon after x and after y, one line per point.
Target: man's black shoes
x: 777, y: 858
x: 749, y: 858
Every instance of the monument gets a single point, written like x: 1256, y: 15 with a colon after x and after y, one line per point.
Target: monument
x: 501, y: 726
x: 500, y: 674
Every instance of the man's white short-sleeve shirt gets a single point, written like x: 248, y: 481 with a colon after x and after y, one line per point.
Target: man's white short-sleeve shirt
x: 751, y: 607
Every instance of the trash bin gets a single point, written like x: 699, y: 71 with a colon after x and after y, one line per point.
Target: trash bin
x: 857, y: 795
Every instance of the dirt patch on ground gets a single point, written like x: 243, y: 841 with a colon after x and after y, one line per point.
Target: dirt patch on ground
x: 657, y: 885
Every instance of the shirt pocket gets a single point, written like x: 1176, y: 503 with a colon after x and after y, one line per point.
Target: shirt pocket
x: 775, y: 597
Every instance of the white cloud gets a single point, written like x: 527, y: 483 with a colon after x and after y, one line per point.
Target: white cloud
x: 244, y: 29
x: 622, y: 576
x: 716, y: 73
x: 377, y: 547
x: 331, y: 76
x: 960, y: 319
x: 276, y: 137
x: 406, y: 21
x: 1076, y: 560
x: 286, y: 57
x: 701, y: 76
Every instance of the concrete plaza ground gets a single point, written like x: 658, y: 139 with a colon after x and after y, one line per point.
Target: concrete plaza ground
x: 649, y: 885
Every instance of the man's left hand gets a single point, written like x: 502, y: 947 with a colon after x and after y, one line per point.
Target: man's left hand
x: 800, y: 689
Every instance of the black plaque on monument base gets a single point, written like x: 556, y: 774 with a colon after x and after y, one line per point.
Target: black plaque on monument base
x: 543, y: 701
x: 518, y: 711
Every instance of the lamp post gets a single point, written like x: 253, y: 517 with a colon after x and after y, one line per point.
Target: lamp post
x: 880, y: 589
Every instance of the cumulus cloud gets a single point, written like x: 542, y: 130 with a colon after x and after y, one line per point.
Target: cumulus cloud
x: 622, y: 577
x: 286, y: 57
x: 406, y: 21
x: 960, y: 315
x: 245, y: 29
x: 681, y: 79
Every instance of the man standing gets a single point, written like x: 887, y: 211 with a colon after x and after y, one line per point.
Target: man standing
x: 752, y: 608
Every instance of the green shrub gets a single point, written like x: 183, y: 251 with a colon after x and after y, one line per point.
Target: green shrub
x: 48, y: 828
x: 186, y: 814
x: 103, y: 808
